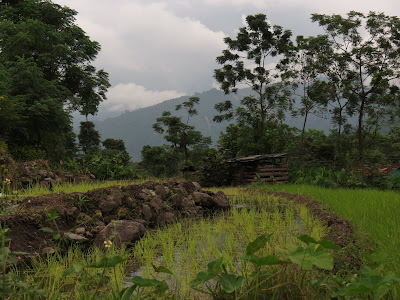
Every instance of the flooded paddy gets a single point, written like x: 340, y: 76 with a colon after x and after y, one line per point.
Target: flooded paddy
x: 187, y: 247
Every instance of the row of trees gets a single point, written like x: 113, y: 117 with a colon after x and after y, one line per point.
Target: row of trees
x: 351, y: 71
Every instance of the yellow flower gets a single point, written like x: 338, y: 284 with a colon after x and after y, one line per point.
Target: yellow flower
x: 107, y: 243
x: 7, y: 181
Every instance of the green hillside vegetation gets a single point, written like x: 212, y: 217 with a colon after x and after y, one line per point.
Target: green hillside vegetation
x: 135, y: 127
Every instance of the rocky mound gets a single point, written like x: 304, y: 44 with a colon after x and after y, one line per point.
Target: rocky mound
x: 120, y: 213
x: 38, y: 172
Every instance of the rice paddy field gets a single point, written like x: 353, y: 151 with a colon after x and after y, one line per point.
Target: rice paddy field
x: 375, y: 214
x: 187, y: 247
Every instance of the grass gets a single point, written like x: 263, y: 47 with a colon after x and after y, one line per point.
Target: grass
x: 82, y: 187
x: 188, y: 246
x: 47, y: 273
x: 374, y: 213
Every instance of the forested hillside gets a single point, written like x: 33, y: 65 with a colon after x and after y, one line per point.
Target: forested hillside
x: 135, y: 127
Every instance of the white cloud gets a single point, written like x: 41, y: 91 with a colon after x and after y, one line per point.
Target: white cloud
x: 390, y: 7
x: 260, y: 4
x: 148, y: 44
x: 132, y: 96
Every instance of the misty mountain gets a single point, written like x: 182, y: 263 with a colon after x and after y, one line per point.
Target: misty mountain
x: 135, y: 127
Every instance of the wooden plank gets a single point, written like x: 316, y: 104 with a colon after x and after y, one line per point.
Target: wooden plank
x: 275, y: 174
x: 272, y: 166
x: 280, y: 179
x: 267, y: 175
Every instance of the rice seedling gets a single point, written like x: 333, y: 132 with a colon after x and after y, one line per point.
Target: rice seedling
x: 48, y: 273
x: 374, y: 214
x: 187, y: 247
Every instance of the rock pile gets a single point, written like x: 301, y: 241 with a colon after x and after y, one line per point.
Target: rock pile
x: 120, y: 213
x: 39, y: 172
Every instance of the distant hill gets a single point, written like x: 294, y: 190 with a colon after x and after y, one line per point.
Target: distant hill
x: 135, y: 127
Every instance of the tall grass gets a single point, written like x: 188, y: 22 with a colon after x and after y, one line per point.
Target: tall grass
x: 375, y: 213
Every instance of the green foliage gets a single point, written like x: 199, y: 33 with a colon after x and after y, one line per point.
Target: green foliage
x: 180, y: 134
x: 215, y: 171
x: 45, y: 72
x: 89, y: 137
x: 355, y: 67
x: 27, y: 153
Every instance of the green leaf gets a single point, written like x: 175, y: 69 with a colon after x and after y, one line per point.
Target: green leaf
x: 47, y: 229
x: 307, y: 239
x: 268, y: 260
x: 325, y: 243
x: 108, y: 262
x: 301, y: 257
x: 351, y: 290
x: 56, y: 236
x: 126, y: 293
x: 230, y: 282
x: 162, y: 269
x: 320, y: 257
x: 144, y: 282
x: 328, y: 245
x: 202, y: 277
x: 68, y: 272
x: 215, y: 266
x: 257, y: 244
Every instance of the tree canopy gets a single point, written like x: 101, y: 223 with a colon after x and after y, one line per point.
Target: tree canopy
x: 47, y: 62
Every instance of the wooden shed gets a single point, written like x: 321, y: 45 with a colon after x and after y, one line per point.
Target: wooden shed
x: 265, y: 167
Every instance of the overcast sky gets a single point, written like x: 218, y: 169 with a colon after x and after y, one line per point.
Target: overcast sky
x: 158, y: 50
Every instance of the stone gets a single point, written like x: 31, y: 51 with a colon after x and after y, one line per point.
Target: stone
x: 75, y: 237
x: 111, y: 203
x: 162, y: 192
x: 124, y: 232
x: 130, y: 202
x: 197, y: 186
x: 211, y: 200
x: 147, y: 215
x: 80, y: 230
x: 221, y: 201
x: 165, y: 218
x: 181, y: 191
x: 202, y: 199
x: 48, y: 250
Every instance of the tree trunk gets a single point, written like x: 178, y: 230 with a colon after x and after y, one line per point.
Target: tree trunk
x: 360, y: 133
x: 302, y: 134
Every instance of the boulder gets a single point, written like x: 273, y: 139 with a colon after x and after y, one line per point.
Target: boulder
x: 211, y: 200
x: 121, y: 232
x: 221, y: 201
x: 165, y: 218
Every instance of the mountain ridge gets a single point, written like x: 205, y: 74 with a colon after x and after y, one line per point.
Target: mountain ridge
x: 135, y: 127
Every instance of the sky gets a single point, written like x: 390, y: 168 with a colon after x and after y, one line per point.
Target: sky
x: 159, y: 50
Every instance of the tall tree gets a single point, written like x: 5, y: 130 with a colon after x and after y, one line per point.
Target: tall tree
x: 245, y: 61
x: 89, y: 137
x: 367, y: 49
x: 180, y: 134
x: 302, y: 67
x: 49, y: 61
